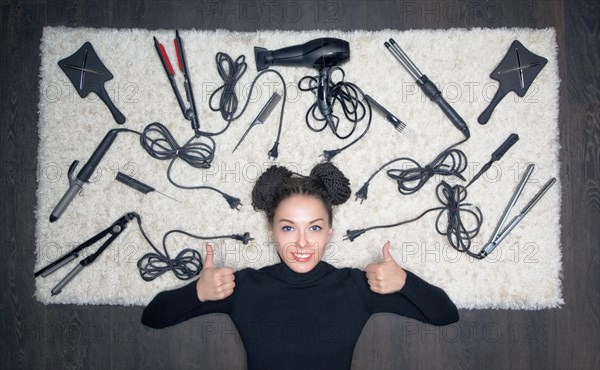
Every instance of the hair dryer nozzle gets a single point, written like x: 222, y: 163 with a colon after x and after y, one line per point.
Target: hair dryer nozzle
x: 263, y: 58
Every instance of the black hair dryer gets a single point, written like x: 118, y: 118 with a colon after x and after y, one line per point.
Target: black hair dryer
x: 321, y: 54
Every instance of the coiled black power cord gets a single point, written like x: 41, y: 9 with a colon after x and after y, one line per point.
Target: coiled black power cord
x: 231, y: 72
x: 348, y: 95
x: 459, y: 236
x: 450, y: 162
x: 185, y: 265
x: 158, y: 142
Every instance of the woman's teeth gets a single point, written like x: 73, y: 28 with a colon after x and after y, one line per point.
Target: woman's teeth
x: 302, y: 257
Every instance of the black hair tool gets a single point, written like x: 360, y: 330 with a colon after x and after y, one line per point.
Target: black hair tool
x: 496, y: 156
x: 262, y: 116
x: 76, y: 183
x: 322, y: 54
x: 515, y: 72
x: 395, y: 121
x: 138, y: 185
x: 428, y: 87
x: 190, y: 113
x: 88, y: 74
x: 113, y: 230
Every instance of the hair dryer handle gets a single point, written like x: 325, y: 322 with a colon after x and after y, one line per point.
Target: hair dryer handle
x: 323, y: 97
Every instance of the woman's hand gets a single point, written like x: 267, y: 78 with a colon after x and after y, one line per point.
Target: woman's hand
x: 214, y: 283
x: 386, y: 277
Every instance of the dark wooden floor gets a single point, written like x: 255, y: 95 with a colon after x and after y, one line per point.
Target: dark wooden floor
x: 59, y: 336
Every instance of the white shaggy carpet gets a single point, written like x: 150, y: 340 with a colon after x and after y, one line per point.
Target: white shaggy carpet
x: 523, y: 273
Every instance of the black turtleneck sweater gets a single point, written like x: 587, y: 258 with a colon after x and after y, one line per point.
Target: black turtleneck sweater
x: 289, y: 320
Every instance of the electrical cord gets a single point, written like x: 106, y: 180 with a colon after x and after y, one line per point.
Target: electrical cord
x: 450, y: 162
x: 231, y: 72
x: 459, y: 236
x: 158, y: 142
x: 345, y: 94
x: 185, y: 265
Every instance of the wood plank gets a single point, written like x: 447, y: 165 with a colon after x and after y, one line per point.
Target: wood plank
x: 23, y: 320
x: 580, y: 139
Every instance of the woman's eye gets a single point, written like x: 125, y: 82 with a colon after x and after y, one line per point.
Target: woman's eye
x: 287, y: 228
x: 315, y: 228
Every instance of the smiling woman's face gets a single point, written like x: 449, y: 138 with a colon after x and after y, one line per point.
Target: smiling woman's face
x: 301, y: 228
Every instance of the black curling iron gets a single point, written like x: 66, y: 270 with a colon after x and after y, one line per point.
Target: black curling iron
x: 428, y: 87
x: 322, y: 54
x: 190, y: 113
x: 76, y: 183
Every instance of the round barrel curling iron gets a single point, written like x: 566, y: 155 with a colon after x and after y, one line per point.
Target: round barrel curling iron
x: 76, y: 182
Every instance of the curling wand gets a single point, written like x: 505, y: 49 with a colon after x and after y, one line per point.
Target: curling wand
x: 76, y: 183
x: 428, y: 87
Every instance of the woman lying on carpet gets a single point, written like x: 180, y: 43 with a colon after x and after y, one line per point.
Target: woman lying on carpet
x: 302, y: 313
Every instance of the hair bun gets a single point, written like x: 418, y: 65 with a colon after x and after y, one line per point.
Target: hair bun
x: 265, y: 189
x: 333, y: 181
